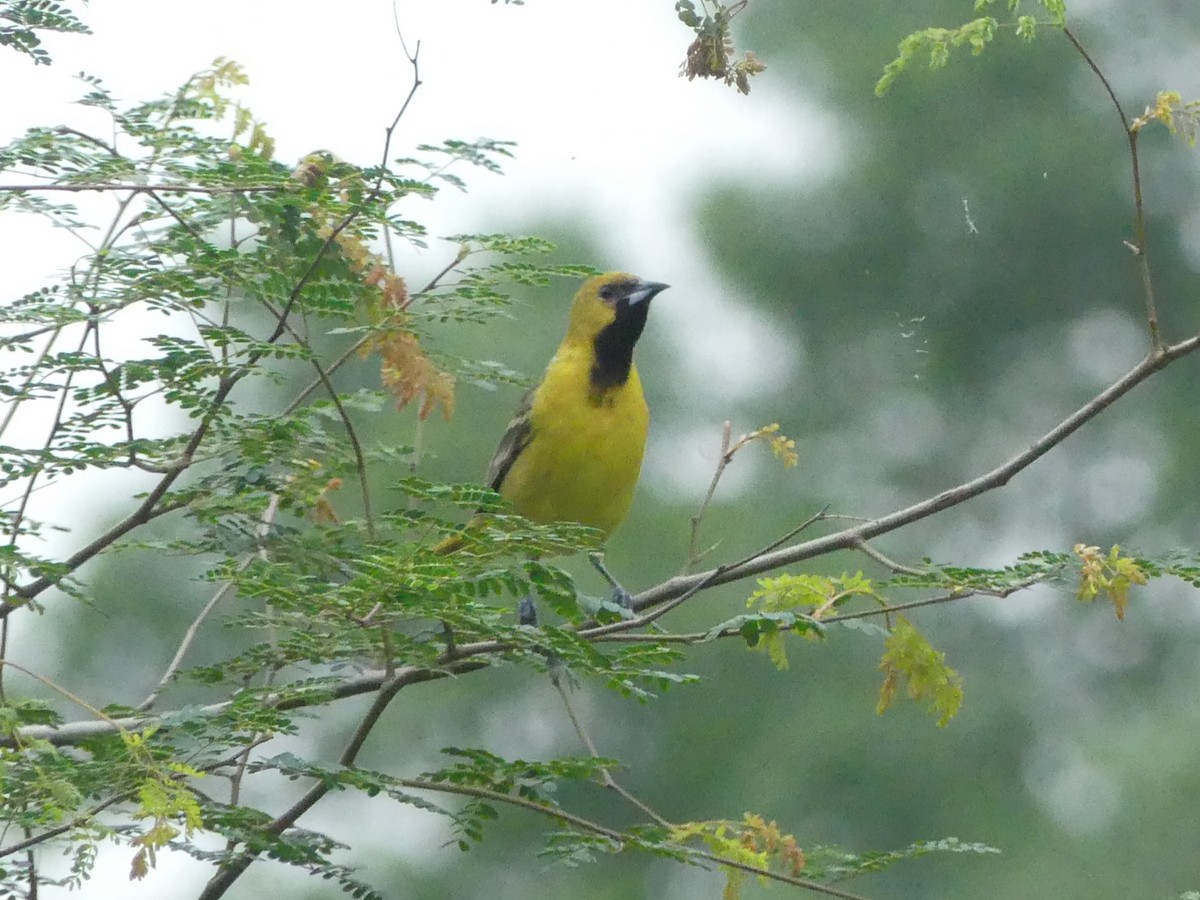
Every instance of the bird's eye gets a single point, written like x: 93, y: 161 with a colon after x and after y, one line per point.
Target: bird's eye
x: 608, y: 292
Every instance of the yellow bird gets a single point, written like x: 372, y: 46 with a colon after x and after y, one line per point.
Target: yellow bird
x: 573, y: 451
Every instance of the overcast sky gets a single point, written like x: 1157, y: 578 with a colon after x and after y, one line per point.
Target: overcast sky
x: 605, y: 130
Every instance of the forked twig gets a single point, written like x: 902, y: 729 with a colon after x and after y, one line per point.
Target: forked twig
x: 268, y: 518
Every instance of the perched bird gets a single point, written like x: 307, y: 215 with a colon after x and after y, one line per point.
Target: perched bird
x: 573, y: 451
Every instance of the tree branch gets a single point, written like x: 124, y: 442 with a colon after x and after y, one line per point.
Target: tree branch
x: 112, y: 187
x: 616, y: 836
x: 473, y: 656
x: 996, y: 478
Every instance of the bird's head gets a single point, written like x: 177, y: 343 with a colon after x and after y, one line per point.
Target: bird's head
x: 615, y: 302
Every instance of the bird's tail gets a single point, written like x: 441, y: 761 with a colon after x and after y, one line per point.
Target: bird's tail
x: 456, y: 542
x: 449, y: 545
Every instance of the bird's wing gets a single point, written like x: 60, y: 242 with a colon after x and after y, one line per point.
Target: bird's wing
x: 516, y: 438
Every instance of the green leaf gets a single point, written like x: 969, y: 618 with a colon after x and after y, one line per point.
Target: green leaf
x: 910, y: 659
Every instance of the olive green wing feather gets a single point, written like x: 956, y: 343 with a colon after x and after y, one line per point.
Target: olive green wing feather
x: 515, y: 439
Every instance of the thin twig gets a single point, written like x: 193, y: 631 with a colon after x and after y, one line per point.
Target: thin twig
x: 33, y: 369
x: 228, y: 873
x: 463, y: 252
x: 587, y: 631
x: 473, y: 656
x: 609, y: 782
x: 694, y: 554
x: 92, y: 811
x: 374, y: 195
x: 360, y: 458
x: 321, y: 381
x: 103, y: 145
x: 18, y: 519
x: 703, y: 637
x: 262, y: 532
x: 1139, y: 217
x: 932, y: 601
x: 989, y: 481
x: 183, y: 223
x: 583, y: 824
x: 820, y: 516
x: 886, y: 562
x: 190, y: 635
x: 63, y: 692
x: 51, y: 833
x: 361, y: 342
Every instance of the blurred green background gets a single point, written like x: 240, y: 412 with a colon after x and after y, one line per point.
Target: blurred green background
x: 955, y: 287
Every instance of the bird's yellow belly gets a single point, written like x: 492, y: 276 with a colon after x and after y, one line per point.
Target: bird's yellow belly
x: 582, y: 462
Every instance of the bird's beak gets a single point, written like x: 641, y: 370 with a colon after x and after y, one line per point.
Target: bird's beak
x: 645, y: 291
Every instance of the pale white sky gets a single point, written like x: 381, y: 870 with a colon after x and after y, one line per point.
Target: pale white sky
x: 605, y: 128
x: 606, y: 132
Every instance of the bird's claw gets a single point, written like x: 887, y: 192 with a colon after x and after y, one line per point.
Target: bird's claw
x: 614, y: 606
x: 527, y: 612
x: 621, y: 601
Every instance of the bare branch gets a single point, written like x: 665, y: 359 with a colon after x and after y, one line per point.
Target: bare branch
x: 360, y: 459
x: 1139, y: 209
x: 556, y: 678
x: 886, y: 562
x: 470, y: 657
x: 996, y: 478
x: 694, y: 554
x: 222, y: 592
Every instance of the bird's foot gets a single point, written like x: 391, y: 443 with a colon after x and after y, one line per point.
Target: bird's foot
x: 620, y: 601
x: 560, y: 675
x: 527, y: 612
x: 606, y: 609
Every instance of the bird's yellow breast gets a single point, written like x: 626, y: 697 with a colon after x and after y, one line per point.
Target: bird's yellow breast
x: 585, y: 449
